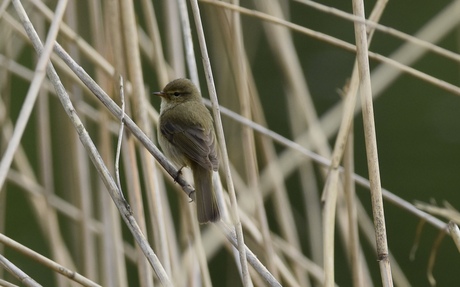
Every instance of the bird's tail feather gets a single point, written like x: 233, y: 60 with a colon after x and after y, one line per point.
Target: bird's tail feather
x: 206, y: 202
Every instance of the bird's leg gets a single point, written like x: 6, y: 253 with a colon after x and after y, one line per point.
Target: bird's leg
x: 179, y: 173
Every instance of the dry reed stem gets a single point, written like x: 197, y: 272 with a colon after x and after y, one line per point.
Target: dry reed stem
x: 329, y: 211
x: 221, y: 138
x: 135, y: 74
x: 188, y: 42
x: 371, y: 145
x: 159, y: 63
x: 18, y: 273
x: 113, y: 267
x: 120, y: 134
x: 199, y: 248
x: 7, y: 284
x: 352, y: 216
x: 340, y: 146
x: 368, y: 230
x: 72, y: 275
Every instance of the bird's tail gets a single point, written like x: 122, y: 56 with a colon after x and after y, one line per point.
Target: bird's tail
x: 206, y: 202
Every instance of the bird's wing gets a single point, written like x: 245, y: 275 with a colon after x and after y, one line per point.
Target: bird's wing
x: 197, y: 143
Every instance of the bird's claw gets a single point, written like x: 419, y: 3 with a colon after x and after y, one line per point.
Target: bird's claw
x: 179, y: 173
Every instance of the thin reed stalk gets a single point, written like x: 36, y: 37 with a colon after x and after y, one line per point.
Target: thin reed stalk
x: 371, y: 145
x: 86, y: 195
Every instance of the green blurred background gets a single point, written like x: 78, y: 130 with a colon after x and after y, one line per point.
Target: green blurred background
x: 418, y: 131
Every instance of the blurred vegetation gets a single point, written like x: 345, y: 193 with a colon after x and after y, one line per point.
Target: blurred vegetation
x: 54, y: 202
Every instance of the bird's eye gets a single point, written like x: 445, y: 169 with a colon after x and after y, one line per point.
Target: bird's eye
x: 176, y: 94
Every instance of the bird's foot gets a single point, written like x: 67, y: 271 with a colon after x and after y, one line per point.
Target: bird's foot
x: 179, y: 173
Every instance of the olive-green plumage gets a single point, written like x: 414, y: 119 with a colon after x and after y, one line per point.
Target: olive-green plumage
x: 186, y: 135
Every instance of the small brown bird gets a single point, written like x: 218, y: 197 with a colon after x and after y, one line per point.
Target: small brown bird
x: 186, y: 135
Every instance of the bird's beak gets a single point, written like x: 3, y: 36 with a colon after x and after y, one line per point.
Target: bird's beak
x: 160, y: 94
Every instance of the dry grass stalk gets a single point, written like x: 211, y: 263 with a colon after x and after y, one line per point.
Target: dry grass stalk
x: 262, y: 224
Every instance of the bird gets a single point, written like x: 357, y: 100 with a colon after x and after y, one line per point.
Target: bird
x: 186, y: 136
